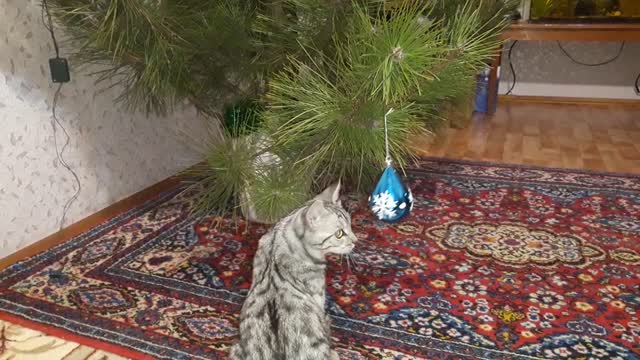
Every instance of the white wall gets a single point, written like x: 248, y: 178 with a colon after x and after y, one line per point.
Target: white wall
x: 542, y: 69
x: 116, y: 153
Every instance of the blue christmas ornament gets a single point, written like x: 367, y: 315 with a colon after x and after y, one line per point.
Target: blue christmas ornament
x: 391, y: 200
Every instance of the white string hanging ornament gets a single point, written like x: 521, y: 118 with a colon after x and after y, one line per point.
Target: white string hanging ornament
x: 392, y: 199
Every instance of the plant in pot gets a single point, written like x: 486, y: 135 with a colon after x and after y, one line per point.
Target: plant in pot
x: 241, y: 173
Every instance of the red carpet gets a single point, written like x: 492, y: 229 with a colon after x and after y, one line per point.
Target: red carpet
x: 496, y: 262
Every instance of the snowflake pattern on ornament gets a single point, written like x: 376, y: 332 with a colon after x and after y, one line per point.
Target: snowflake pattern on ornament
x: 384, y: 205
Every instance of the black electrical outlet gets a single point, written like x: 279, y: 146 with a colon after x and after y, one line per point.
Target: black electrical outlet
x: 59, y: 70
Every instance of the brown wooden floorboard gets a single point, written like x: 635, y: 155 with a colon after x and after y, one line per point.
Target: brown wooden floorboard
x: 585, y: 136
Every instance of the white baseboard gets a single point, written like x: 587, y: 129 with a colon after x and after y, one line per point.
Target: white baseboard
x: 571, y: 91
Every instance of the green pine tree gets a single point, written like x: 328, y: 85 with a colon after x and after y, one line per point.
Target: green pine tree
x: 421, y: 59
x: 312, y: 77
x: 165, y: 52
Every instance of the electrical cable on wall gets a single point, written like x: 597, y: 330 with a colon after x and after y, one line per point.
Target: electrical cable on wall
x: 616, y: 57
x: 60, y: 74
x: 513, y: 70
x: 595, y: 64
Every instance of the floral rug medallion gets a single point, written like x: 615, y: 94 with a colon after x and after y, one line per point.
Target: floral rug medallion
x: 515, y: 245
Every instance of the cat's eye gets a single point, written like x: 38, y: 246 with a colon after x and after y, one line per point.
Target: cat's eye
x: 339, y: 233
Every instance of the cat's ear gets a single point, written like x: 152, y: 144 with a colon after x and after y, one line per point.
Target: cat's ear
x: 331, y: 194
x: 314, y: 212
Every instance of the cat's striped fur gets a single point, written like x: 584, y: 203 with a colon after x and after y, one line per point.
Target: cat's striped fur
x: 283, y: 316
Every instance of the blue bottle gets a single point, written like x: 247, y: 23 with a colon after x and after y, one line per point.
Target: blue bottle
x: 482, y: 93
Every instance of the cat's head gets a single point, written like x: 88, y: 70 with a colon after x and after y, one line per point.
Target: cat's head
x: 328, y: 224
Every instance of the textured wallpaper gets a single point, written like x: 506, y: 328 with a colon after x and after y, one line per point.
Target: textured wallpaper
x: 115, y: 153
x: 542, y: 69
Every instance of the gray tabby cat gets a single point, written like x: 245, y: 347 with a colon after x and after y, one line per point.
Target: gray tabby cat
x: 283, y: 316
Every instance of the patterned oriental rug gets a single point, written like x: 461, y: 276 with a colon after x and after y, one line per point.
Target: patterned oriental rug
x: 496, y: 262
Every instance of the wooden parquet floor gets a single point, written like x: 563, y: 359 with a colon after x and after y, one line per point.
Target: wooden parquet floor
x: 593, y: 137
